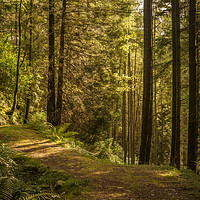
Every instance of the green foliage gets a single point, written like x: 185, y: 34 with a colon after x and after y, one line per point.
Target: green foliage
x: 51, y: 177
x: 24, y: 178
x: 7, y: 64
x: 38, y: 122
x: 7, y: 76
x: 109, y: 150
x: 8, y: 187
x: 72, y: 186
x: 61, y: 132
x: 43, y: 196
x: 6, y: 163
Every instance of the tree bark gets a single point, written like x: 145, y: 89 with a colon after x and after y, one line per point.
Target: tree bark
x: 28, y: 99
x: 176, y: 101
x: 51, y: 71
x: 61, y: 65
x: 10, y: 113
x: 192, y: 129
x: 134, y: 118
x: 124, y: 121
x: 146, y: 126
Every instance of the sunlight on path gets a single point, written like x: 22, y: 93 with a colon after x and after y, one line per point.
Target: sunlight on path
x: 106, y: 180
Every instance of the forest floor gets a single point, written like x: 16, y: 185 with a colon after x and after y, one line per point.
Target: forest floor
x: 106, y: 180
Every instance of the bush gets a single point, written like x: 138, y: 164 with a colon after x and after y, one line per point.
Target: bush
x: 109, y: 150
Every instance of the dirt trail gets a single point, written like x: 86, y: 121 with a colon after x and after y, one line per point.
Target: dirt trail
x: 107, y: 181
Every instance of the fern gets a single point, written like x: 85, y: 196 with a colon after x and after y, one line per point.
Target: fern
x: 6, y: 163
x: 8, y: 187
x: 42, y: 196
x: 62, y: 129
x: 61, y: 132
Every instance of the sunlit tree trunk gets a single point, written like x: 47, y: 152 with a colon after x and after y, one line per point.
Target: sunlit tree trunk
x: 146, y: 110
x: 124, y: 120
x: 130, y: 109
x: 192, y: 129
x: 134, y: 118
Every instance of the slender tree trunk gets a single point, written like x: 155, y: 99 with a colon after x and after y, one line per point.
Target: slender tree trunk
x: 146, y: 119
x: 16, y: 19
x: 10, y: 113
x: 134, y: 118
x: 124, y: 121
x: 198, y: 78
x: 176, y: 102
x: 28, y: 99
x: 51, y: 71
x: 162, y: 132
x: 192, y: 129
x: 130, y: 108
x: 156, y: 136
x: 61, y: 65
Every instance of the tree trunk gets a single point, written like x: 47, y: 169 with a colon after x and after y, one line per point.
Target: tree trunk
x: 51, y: 71
x: 61, y: 65
x: 146, y: 119
x: 192, y: 129
x: 28, y: 99
x: 16, y: 19
x: 176, y: 102
x: 130, y: 108
x: 124, y: 121
x: 10, y: 113
x: 149, y: 136
x: 156, y: 136
x: 134, y: 118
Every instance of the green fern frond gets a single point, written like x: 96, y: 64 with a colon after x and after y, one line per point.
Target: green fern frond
x: 8, y: 187
x: 42, y: 196
x: 63, y: 128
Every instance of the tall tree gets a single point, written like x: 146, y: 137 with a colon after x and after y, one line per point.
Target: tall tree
x: 61, y: 65
x: 124, y: 120
x: 192, y: 129
x: 51, y: 71
x: 147, y: 82
x: 10, y: 113
x: 30, y: 62
x: 175, y: 144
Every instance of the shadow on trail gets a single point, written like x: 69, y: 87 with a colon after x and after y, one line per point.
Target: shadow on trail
x: 30, y: 145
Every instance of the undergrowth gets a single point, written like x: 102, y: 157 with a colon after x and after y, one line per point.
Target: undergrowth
x: 106, y: 149
x: 23, y: 178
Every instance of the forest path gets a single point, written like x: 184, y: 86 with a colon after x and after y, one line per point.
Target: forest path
x: 106, y: 180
